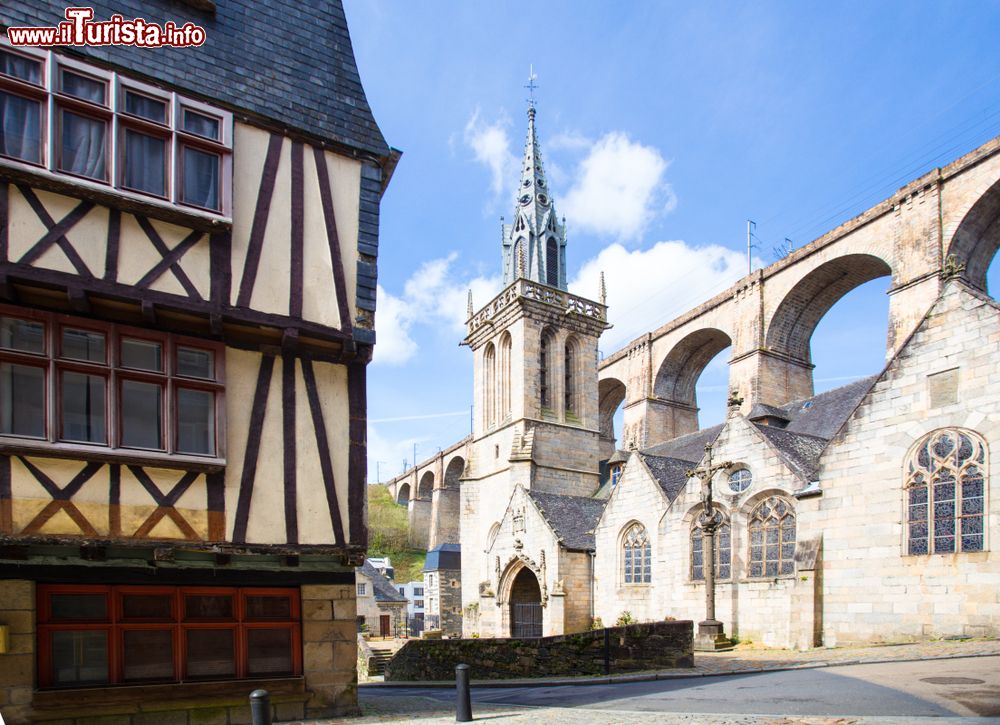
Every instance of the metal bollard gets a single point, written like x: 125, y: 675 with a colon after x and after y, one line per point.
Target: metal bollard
x: 463, y: 701
x: 260, y: 707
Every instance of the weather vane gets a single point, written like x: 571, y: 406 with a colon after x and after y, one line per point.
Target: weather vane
x: 532, y: 77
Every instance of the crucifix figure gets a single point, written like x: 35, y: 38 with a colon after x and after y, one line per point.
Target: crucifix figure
x: 710, y: 632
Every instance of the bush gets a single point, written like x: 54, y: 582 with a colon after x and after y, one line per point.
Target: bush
x: 624, y: 619
x: 596, y: 623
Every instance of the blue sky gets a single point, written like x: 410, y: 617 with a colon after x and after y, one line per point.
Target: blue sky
x: 664, y: 127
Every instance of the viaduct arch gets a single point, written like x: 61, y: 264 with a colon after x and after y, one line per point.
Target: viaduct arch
x: 945, y: 222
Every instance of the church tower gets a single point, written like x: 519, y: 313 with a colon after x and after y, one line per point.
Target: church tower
x: 535, y: 356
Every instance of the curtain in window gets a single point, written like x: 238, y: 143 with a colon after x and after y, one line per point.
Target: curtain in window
x: 201, y: 178
x: 145, y: 163
x: 20, y: 127
x: 84, y: 145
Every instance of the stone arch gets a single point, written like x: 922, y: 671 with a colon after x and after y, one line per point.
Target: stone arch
x: 610, y: 394
x: 426, y: 485
x: 403, y: 494
x: 453, y: 472
x: 491, y: 537
x: 679, y: 372
x: 977, y: 238
x: 790, y: 328
x: 522, y: 583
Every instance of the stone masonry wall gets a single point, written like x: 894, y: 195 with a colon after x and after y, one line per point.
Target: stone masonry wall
x: 657, y: 645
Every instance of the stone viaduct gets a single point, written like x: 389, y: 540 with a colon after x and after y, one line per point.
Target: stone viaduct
x: 947, y: 220
x: 430, y: 491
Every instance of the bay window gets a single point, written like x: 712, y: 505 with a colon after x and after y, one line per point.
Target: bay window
x: 64, y: 380
x: 90, y: 635
x: 72, y: 118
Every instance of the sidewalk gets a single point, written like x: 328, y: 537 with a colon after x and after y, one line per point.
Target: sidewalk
x: 380, y: 706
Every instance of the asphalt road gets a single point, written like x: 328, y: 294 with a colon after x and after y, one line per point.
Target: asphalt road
x: 930, y: 688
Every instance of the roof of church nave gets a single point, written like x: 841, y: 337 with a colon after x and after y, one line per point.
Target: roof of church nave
x: 811, y: 423
x: 572, y: 518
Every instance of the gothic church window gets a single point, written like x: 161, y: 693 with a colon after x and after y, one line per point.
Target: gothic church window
x: 505, y: 353
x: 489, y: 384
x: 772, y: 538
x: 545, y: 370
x: 637, y: 555
x: 570, y: 377
x: 945, y: 493
x: 723, y: 546
x: 552, y: 262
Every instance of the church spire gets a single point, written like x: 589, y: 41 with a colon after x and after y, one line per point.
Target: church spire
x: 536, y: 235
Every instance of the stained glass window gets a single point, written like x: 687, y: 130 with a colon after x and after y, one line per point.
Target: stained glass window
x: 945, y: 493
x: 723, y: 552
x: 638, y: 560
x: 772, y: 538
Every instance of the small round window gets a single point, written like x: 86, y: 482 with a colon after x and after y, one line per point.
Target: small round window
x: 740, y: 480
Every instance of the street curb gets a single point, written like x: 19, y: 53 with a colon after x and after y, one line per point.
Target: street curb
x: 652, y: 676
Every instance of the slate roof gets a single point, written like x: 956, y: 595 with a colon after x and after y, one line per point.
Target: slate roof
x: 823, y: 414
x: 444, y: 556
x: 801, y: 451
x: 572, y: 518
x: 383, y: 589
x: 670, y: 473
x: 285, y: 60
x: 690, y: 447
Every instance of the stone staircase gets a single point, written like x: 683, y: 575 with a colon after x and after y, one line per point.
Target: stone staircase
x: 381, y: 654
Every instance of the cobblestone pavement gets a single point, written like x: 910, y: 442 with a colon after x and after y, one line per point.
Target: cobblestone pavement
x: 380, y: 707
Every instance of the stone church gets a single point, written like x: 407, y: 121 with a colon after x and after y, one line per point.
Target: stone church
x: 862, y: 514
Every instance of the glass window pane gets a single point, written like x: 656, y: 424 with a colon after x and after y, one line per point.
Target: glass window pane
x: 201, y: 178
x: 269, y: 651
x: 201, y: 125
x: 266, y: 607
x: 83, y: 345
x: 79, y: 657
x: 210, y: 653
x: 84, y: 144
x: 147, y: 607
x: 26, y: 69
x: 22, y: 400
x: 80, y: 86
x: 142, y: 354
x: 145, y: 163
x: 83, y: 408
x: 145, y: 107
x: 141, y: 415
x: 148, y: 654
x: 22, y: 335
x: 77, y: 607
x: 208, y: 606
x: 195, y: 421
x: 20, y: 127
x: 193, y: 363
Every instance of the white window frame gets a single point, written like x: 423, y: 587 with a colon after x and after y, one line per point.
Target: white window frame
x: 113, y: 112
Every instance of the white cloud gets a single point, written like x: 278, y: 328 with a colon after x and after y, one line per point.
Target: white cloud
x: 432, y: 295
x: 648, y: 287
x: 490, y: 144
x: 619, y: 187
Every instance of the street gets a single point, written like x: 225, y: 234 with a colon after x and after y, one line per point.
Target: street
x: 902, y: 691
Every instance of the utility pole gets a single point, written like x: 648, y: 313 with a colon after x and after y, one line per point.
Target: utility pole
x: 751, y: 227
x: 711, y: 636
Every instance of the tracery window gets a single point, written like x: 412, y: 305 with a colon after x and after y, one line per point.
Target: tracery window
x: 723, y: 552
x: 505, y: 350
x: 545, y: 370
x: 945, y: 493
x: 740, y: 480
x: 772, y: 538
x: 637, y: 553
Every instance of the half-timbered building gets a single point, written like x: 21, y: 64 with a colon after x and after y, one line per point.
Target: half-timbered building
x: 188, y: 239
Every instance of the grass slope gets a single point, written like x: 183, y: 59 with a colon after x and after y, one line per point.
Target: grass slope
x: 388, y: 532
